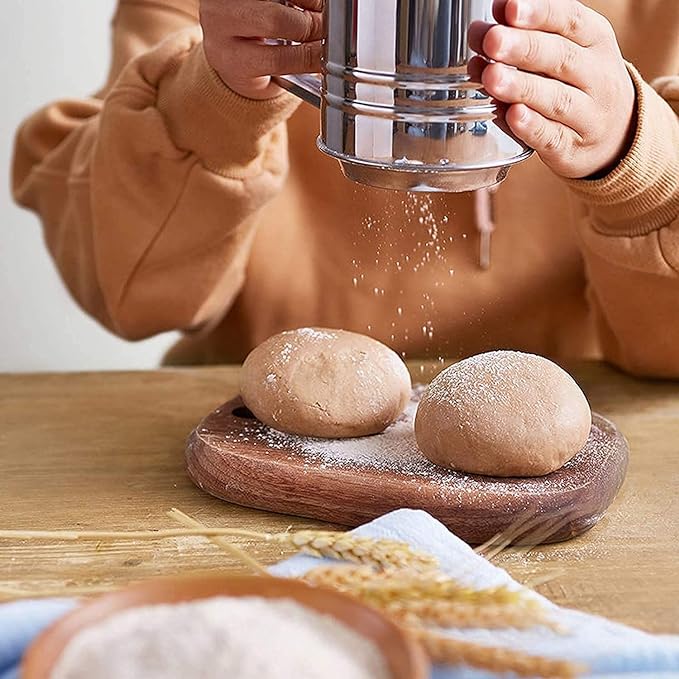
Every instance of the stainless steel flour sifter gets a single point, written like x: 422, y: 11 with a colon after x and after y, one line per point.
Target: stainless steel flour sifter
x: 398, y: 107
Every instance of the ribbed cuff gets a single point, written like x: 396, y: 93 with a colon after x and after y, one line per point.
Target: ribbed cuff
x: 641, y: 194
x: 226, y: 131
x: 188, y: 7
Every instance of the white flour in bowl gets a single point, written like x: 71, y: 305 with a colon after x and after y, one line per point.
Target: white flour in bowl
x: 238, y: 638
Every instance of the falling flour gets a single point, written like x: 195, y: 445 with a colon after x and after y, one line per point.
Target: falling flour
x: 421, y: 243
x: 238, y: 638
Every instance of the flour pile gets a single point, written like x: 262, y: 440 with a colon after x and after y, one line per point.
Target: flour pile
x: 239, y: 638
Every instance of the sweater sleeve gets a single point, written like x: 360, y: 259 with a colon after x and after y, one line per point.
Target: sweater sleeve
x: 149, y: 195
x: 628, y: 223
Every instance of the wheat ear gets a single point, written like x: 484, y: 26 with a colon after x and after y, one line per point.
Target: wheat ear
x: 379, y: 553
x: 407, y: 585
x: 461, y: 615
x: 491, y: 609
x: 494, y: 659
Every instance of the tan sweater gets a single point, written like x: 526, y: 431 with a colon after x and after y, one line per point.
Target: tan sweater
x: 170, y: 202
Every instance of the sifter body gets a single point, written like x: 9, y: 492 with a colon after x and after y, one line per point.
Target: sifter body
x: 398, y: 107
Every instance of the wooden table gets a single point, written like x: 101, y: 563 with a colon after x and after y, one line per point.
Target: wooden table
x: 105, y: 451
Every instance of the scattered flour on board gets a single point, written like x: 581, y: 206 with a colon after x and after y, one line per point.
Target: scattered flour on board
x: 239, y: 638
x: 396, y: 451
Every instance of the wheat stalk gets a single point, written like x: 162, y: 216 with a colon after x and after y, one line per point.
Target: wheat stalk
x: 523, y: 528
x: 226, y: 545
x: 162, y: 534
x: 383, y: 553
x: 535, y: 581
x: 494, y: 659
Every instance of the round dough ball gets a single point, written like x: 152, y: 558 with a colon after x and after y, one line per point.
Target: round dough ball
x: 503, y: 413
x: 325, y: 383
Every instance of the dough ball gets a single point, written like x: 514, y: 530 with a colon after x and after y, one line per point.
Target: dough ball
x: 325, y: 383
x: 503, y: 413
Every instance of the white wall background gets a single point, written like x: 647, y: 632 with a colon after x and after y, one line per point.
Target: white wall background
x: 49, y: 49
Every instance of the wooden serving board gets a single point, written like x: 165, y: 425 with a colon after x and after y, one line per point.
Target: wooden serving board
x: 236, y: 458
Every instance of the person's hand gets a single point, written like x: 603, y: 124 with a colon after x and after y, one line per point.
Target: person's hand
x: 234, y: 34
x: 560, y: 72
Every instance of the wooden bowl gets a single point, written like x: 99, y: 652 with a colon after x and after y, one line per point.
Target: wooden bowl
x: 403, y: 655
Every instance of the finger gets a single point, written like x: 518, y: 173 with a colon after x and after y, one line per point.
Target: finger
x: 538, y: 52
x: 476, y: 35
x: 568, y: 18
x: 257, y: 19
x: 553, y: 99
x: 499, y: 11
x: 475, y: 68
x: 262, y: 87
x: 313, y: 5
x: 555, y: 143
x: 258, y: 59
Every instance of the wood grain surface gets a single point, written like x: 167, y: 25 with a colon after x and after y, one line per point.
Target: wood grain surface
x: 105, y: 451
x: 233, y: 457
